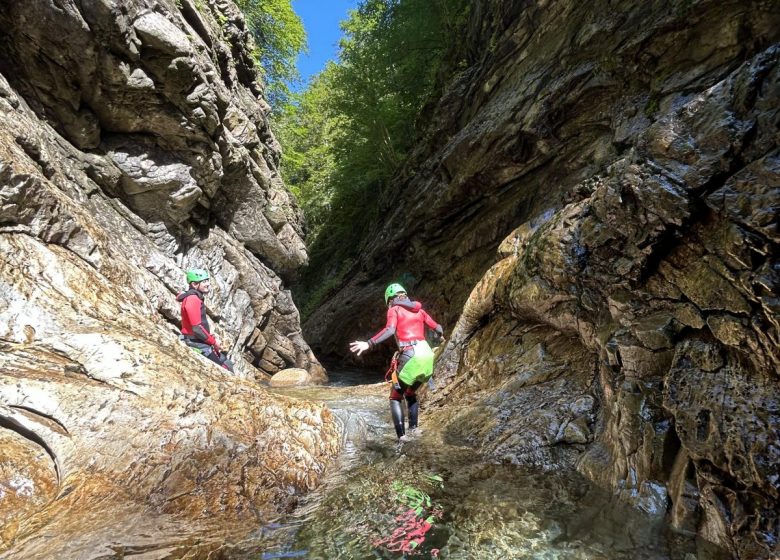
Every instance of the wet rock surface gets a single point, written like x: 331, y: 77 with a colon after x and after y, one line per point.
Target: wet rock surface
x: 135, y: 144
x: 659, y: 294
x: 436, y: 492
x: 138, y: 427
x: 28, y: 478
x: 624, y: 163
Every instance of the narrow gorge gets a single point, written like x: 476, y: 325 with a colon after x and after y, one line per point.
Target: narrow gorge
x: 591, y: 211
x: 595, y: 216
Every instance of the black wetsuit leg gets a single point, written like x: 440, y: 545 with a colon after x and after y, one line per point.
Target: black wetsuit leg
x: 220, y: 359
x: 396, y: 408
x: 412, y: 404
x: 397, y: 411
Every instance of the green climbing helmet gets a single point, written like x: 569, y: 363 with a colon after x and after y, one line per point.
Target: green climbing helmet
x: 392, y: 291
x: 197, y: 275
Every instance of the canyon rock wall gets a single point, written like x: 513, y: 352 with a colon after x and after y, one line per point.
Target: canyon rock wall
x: 594, y: 218
x: 135, y: 144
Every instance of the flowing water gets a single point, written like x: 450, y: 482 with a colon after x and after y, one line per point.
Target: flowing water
x: 430, y: 499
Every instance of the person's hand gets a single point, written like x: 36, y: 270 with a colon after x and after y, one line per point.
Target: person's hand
x: 358, y: 346
x: 216, y: 347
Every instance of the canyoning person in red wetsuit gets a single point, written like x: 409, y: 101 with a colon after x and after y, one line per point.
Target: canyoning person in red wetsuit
x: 195, y: 330
x: 406, y: 320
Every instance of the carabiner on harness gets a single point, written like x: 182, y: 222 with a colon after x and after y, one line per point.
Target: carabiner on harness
x: 391, y: 376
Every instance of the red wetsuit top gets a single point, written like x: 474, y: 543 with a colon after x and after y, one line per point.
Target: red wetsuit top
x: 406, y: 320
x: 194, y: 323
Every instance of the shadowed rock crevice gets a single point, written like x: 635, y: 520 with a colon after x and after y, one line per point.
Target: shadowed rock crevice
x: 47, y: 419
x: 14, y: 425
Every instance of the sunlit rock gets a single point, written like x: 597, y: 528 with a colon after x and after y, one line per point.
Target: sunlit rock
x: 114, y: 433
x: 290, y: 377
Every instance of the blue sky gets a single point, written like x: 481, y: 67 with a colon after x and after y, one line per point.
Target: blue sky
x: 321, y: 19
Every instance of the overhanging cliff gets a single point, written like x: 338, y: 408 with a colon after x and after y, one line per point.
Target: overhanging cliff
x: 553, y: 94
x: 627, y: 157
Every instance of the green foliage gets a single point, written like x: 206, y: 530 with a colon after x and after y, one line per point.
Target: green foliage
x: 412, y: 497
x: 280, y: 37
x: 200, y: 5
x: 436, y: 480
x: 347, y: 135
x: 306, y: 130
x: 327, y: 284
x: 653, y: 104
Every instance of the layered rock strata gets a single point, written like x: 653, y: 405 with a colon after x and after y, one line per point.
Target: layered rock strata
x: 634, y: 333
x: 134, y: 145
x: 158, y: 108
x: 551, y: 95
x: 630, y: 326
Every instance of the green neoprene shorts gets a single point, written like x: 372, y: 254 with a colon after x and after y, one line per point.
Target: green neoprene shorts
x: 419, y: 367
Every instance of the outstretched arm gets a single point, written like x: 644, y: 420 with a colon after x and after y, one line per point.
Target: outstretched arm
x: 360, y: 346
x: 381, y: 336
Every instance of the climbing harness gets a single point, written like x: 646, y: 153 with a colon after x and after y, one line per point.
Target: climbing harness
x: 391, y: 376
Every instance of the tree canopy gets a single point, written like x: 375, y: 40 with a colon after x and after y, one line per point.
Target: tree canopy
x: 280, y: 38
x: 348, y: 133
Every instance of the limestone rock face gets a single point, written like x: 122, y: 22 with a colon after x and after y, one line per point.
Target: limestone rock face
x: 634, y: 332
x: 167, y: 102
x: 134, y: 145
x: 623, y: 160
x: 165, y: 126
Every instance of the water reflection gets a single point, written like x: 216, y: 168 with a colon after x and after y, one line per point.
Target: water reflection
x: 477, y: 510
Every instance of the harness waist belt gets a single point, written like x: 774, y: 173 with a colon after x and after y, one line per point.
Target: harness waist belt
x: 404, y: 344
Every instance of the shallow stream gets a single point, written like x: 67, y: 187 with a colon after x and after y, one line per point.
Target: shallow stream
x: 430, y: 499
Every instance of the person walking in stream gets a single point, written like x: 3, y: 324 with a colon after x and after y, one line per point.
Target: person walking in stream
x: 195, y: 330
x: 406, y: 321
